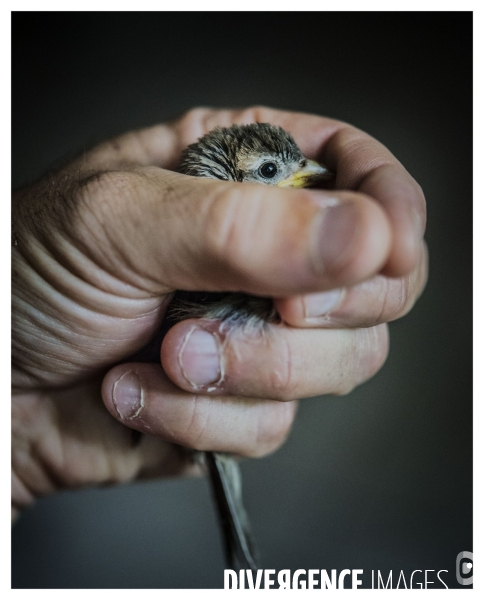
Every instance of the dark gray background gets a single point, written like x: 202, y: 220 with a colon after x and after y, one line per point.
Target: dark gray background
x: 380, y: 479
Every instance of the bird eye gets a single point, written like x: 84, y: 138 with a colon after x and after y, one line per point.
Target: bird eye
x: 268, y: 170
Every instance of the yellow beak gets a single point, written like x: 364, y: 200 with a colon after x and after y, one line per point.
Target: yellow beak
x: 310, y: 174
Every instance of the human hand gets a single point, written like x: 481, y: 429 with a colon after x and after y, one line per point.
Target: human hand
x: 99, y: 249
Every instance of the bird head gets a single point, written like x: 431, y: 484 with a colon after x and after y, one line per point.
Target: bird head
x: 257, y: 153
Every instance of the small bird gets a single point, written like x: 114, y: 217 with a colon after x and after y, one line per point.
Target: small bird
x: 257, y: 153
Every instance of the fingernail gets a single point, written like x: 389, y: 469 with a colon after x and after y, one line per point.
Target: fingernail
x: 200, y: 358
x: 320, y: 305
x: 334, y: 234
x: 128, y: 396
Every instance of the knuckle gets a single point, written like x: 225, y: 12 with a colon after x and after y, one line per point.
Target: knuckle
x: 252, y: 114
x: 195, y: 114
x: 193, y: 120
x: 351, y: 144
x: 380, y: 296
x: 404, y: 300
x: 374, y: 346
x: 392, y: 299
x: 395, y: 299
x: 282, y: 378
x: 257, y: 113
x: 366, y: 355
x: 402, y: 295
x: 273, y: 428
x: 192, y: 427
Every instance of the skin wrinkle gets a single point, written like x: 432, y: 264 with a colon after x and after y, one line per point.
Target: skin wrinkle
x: 122, y: 191
x: 171, y: 431
x: 323, y: 153
x: 384, y: 296
x: 325, y: 134
x: 358, y: 184
x: 118, y: 184
x: 48, y: 323
x: 32, y: 360
x: 175, y: 270
x: 197, y: 425
x: 227, y: 241
x: 239, y: 255
x: 281, y: 378
x: 21, y: 378
x: 222, y: 227
x: 78, y: 318
x: 79, y: 315
x: 47, y: 271
x: 27, y: 314
x: 374, y: 352
x: 314, y: 259
x: 361, y: 350
x: 239, y: 247
x: 381, y: 292
x: 38, y: 339
x: 400, y: 301
x: 395, y: 304
x: 81, y: 355
x: 414, y: 280
x: 347, y: 365
x: 73, y: 259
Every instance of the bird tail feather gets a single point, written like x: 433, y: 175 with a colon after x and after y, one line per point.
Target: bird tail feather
x: 226, y: 481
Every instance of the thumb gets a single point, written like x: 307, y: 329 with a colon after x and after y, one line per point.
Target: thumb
x: 159, y: 231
